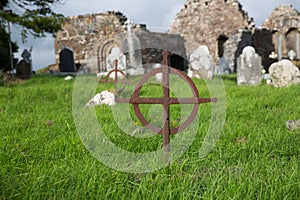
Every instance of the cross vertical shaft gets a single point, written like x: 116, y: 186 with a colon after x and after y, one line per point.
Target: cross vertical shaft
x: 166, y: 104
x: 116, y: 70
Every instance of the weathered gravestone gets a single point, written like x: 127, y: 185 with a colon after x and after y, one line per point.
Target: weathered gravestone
x: 201, y: 63
x: 223, y: 66
x: 23, y: 70
x: 115, y: 54
x: 66, y: 60
x: 284, y: 73
x: 249, y: 67
x: 116, y: 57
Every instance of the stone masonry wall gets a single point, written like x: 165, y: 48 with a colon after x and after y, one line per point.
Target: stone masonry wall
x: 284, y: 23
x: 263, y: 44
x: 202, y: 22
x: 92, y: 37
x: 222, y: 25
x: 235, y: 45
x: 85, y: 34
x: 283, y: 18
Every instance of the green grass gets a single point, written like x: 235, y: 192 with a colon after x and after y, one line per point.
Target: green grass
x: 42, y: 156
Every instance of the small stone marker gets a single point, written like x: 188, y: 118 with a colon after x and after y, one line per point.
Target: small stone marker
x: 292, y: 54
x: 293, y: 124
x: 104, y: 97
x: 249, y: 68
x: 68, y: 78
x: 223, y: 66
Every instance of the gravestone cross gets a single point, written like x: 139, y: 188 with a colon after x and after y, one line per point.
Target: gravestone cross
x: 115, y: 71
x: 292, y: 55
x: 165, y: 101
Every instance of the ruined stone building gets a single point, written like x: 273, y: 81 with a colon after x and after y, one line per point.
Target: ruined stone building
x: 284, y: 23
x: 222, y: 25
x: 89, y: 36
x: 93, y: 38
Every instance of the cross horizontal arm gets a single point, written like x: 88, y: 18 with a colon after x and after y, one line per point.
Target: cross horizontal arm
x: 149, y: 100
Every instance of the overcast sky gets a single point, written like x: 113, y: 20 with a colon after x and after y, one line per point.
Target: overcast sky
x: 156, y: 14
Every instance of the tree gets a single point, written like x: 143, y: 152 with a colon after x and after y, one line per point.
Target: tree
x: 35, y: 16
x: 5, y: 57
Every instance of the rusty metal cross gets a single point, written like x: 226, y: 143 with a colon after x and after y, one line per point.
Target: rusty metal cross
x: 165, y: 101
x: 115, y: 70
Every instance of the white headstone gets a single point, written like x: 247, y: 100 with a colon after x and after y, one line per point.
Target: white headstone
x: 249, y: 68
x: 158, y: 76
x: 201, y: 63
x: 115, y: 54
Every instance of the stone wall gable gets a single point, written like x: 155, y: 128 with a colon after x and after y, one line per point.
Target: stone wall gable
x: 221, y: 25
x: 214, y: 23
x: 203, y: 22
x: 282, y: 18
x: 284, y: 22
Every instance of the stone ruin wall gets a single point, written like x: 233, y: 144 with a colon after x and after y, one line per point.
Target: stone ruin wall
x: 152, y: 45
x: 284, y: 23
x: 86, y: 34
x: 234, y: 46
x: 203, y: 22
x: 92, y: 37
x: 222, y: 25
x: 260, y: 39
x: 263, y: 44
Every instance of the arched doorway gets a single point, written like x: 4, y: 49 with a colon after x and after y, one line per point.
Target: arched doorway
x: 292, y: 41
x: 221, y: 41
x: 104, y: 50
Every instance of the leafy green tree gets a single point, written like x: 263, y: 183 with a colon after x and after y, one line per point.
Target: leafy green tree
x: 34, y: 16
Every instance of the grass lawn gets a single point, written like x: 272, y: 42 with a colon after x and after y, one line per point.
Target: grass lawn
x: 43, y: 157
